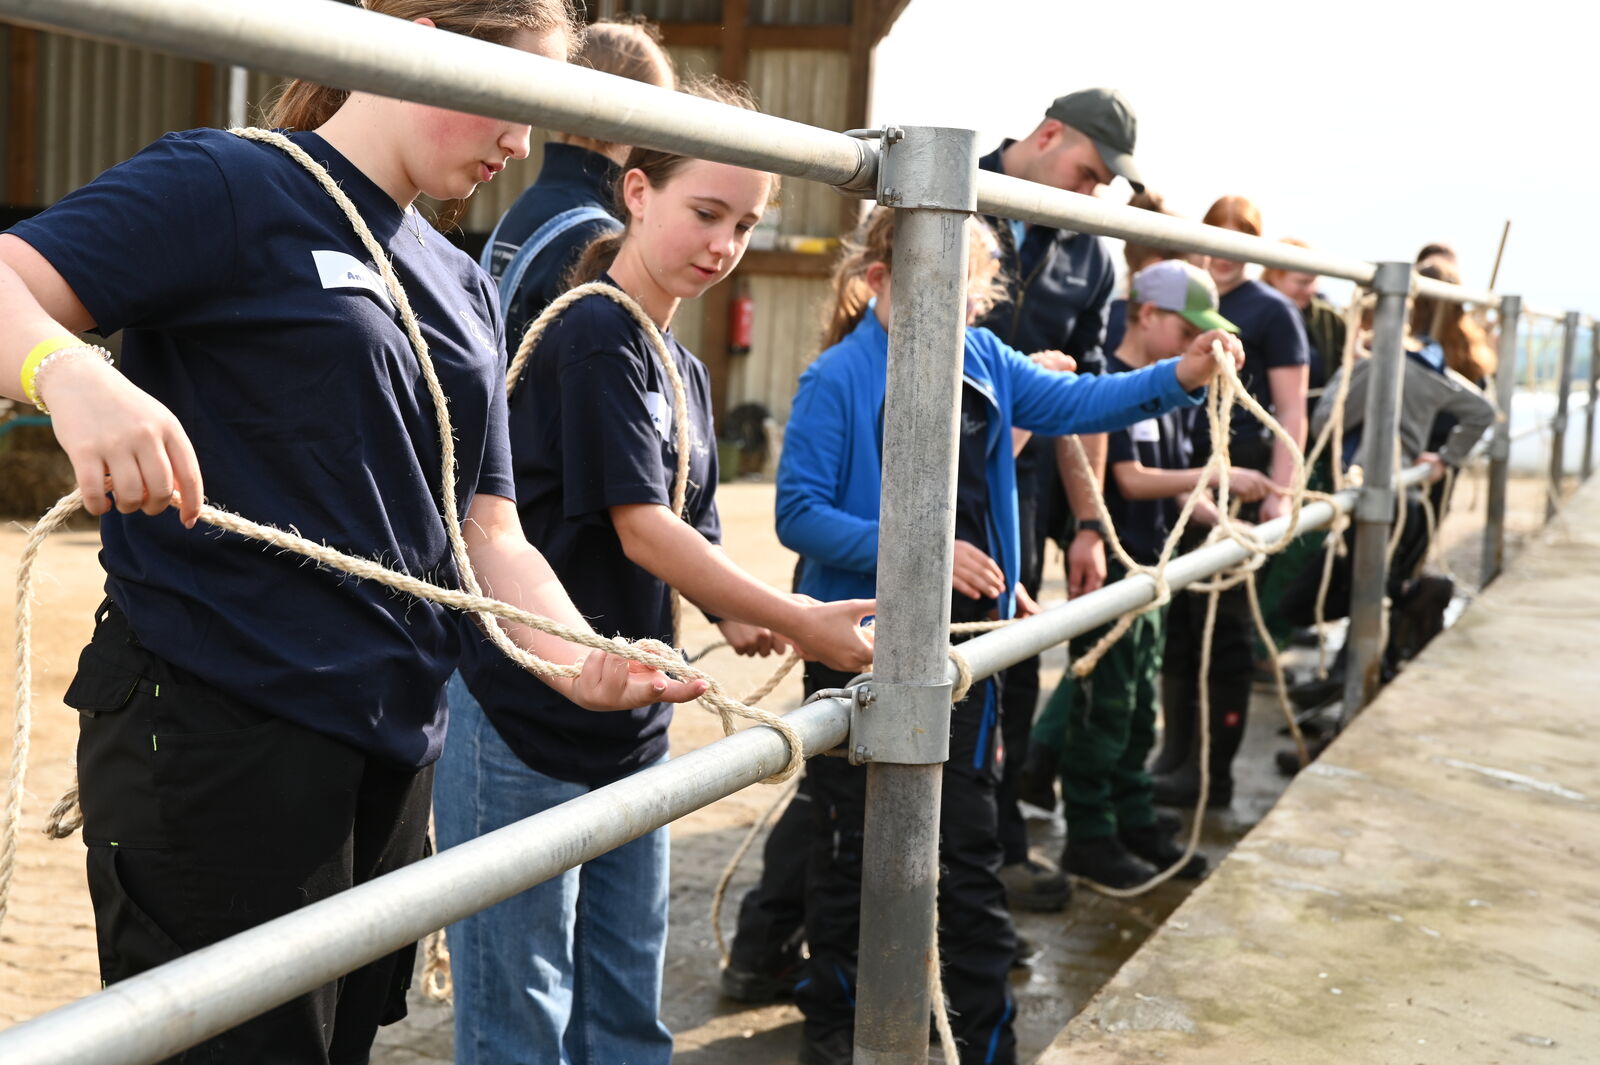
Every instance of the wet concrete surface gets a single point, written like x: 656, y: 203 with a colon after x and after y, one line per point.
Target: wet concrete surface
x: 1426, y: 893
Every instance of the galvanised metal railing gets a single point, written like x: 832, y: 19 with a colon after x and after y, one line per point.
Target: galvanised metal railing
x: 929, y: 175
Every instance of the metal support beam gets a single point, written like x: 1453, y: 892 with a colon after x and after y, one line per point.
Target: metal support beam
x: 1375, y: 509
x: 904, y: 734
x: 1558, y: 424
x: 1505, y: 387
x: 1594, y: 394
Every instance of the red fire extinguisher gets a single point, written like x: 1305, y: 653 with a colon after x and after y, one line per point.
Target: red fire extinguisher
x: 741, y: 320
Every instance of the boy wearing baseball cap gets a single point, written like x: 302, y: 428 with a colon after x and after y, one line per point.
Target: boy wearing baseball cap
x: 1103, y: 725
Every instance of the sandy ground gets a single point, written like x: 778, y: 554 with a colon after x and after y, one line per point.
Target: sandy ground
x: 47, y: 941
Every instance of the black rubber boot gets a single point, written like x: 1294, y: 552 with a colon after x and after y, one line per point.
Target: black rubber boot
x: 1179, y: 714
x: 1105, y: 861
x: 1162, y: 851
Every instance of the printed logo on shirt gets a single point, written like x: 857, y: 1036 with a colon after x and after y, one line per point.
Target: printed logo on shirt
x: 660, y: 413
x: 337, y: 269
x: 1146, y: 432
x: 971, y: 426
x: 475, y: 327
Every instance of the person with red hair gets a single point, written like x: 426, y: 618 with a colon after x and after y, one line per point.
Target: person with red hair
x: 1276, y: 360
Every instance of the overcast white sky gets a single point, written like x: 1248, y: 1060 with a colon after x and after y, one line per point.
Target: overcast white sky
x: 1368, y: 127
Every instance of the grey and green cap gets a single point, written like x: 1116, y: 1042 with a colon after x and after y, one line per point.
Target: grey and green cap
x: 1176, y: 285
x: 1103, y: 115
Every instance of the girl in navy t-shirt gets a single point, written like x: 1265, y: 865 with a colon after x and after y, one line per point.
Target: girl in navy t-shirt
x: 256, y: 730
x: 576, y: 962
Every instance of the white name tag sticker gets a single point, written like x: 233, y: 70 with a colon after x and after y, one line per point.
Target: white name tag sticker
x: 660, y: 413
x: 1146, y: 432
x: 337, y: 269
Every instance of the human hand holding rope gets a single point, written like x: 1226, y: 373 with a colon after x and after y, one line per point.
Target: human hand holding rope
x: 127, y: 449
x: 1198, y: 365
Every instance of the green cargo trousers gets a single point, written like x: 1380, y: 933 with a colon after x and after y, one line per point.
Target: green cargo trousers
x: 1104, y: 727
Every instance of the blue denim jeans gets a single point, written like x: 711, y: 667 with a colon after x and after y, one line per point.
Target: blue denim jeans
x: 568, y: 972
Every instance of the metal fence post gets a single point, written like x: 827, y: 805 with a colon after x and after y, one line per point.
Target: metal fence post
x: 1375, y: 509
x: 902, y: 733
x: 1594, y: 394
x: 1505, y: 388
x: 1558, y: 424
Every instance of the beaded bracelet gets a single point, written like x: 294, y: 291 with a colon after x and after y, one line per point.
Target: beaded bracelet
x: 32, y: 373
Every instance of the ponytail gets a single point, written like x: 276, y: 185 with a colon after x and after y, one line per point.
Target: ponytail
x: 872, y: 242
x: 595, y: 259
x: 303, y: 105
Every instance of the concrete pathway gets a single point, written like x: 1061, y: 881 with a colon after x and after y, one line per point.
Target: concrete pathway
x: 1427, y: 892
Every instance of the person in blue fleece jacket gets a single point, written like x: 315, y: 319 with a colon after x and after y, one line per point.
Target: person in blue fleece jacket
x: 827, y: 510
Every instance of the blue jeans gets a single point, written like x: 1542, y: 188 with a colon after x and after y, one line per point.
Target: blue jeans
x: 569, y: 971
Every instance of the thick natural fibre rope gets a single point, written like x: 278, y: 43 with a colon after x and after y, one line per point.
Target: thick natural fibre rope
x: 648, y: 652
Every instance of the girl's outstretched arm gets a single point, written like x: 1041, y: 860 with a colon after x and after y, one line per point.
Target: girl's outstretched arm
x: 653, y: 538
x: 513, y: 570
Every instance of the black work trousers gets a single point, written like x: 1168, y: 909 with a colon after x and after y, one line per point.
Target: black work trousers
x: 977, y: 941
x: 1020, y: 699
x: 205, y: 817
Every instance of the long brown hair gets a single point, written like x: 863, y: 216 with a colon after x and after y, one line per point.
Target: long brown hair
x: 305, y: 105
x: 1467, y: 350
x: 873, y: 242
x: 658, y: 168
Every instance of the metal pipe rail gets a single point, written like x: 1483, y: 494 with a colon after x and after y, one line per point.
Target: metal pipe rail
x: 334, y: 44
x: 158, y: 1013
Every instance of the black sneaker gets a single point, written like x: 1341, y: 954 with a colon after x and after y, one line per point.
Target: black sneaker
x: 1162, y: 851
x: 1105, y: 861
x: 1035, y: 887
x: 1027, y: 951
x: 836, y: 1048
x: 757, y: 987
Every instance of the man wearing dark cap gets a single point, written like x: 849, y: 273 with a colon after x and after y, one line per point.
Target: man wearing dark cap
x: 1059, y: 284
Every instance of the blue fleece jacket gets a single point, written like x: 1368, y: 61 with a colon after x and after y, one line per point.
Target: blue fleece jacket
x: 830, y: 472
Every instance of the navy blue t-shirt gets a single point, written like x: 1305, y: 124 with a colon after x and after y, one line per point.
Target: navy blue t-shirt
x: 1116, y: 324
x: 591, y: 428
x: 249, y: 307
x: 1274, y: 335
x: 1158, y: 443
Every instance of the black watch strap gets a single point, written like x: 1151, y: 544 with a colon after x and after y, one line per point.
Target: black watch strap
x: 1094, y: 525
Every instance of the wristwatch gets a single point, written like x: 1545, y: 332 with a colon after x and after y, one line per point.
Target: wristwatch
x: 1094, y: 525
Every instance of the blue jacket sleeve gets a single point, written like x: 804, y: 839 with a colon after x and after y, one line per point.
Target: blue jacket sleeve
x: 1063, y: 404
x: 811, y: 474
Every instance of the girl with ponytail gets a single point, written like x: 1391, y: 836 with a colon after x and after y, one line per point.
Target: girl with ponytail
x: 573, y: 966
x: 259, y: 733
x: 829, y: 481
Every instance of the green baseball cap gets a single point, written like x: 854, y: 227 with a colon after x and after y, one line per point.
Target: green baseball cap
x: 1103, y: 115
x: 1182, y: 287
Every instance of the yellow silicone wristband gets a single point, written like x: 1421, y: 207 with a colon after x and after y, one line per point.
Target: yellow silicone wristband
x: 41, y: 351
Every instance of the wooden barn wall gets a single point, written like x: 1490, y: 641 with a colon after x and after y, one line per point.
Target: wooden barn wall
x: 806, y: 86
x: 787, y: 321
x: 99, y: 104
